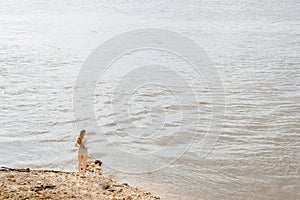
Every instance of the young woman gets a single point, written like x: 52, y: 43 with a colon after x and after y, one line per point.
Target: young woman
x: 81, y: 142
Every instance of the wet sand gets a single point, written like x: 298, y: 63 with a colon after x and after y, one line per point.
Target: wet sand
x: 47, y: 184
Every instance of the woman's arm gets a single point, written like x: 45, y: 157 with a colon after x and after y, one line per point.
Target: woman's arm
x: 76, y: 144
x: 85, y: 144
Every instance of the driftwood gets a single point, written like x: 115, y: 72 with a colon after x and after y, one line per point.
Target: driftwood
x: 12, y: 169
x: 7, y: 169
x: 92, y: 166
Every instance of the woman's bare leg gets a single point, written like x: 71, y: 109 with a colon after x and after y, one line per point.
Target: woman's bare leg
x: 84, y: 163
x: 80, y: 158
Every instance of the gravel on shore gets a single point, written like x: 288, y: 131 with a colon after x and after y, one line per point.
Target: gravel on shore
x: 24, y: 184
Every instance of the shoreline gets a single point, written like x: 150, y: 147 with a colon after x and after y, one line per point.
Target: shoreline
x: 51, y: 184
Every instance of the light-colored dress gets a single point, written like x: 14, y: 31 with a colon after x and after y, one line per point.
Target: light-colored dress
x: 83, y: 151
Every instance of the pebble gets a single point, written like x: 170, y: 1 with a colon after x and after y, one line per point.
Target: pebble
x: 128, y: 198
x: 13, y: 188
x: 10, y: 176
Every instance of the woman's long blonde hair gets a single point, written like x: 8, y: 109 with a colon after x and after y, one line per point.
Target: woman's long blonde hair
x: 80, y: 137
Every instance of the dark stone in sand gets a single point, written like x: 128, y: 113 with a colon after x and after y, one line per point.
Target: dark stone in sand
x: 98, y: 162
x: 42, y: 187
x: 105, y: 186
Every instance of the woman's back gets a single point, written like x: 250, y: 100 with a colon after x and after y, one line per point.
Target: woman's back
x: 83, y: 144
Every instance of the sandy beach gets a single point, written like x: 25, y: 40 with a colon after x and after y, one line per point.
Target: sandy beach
x: 48, y: 184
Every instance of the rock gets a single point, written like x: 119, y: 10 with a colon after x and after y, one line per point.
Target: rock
x: 13, y: 188
x: 128, y: 198
x: 111, y: 190
x: 105, y: 186
x: 98, y: 162
x: 42, y: 187
x: 10, y: 176
x: 24, y: 188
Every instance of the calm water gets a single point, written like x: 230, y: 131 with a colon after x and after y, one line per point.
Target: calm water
x: 254, y: 45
